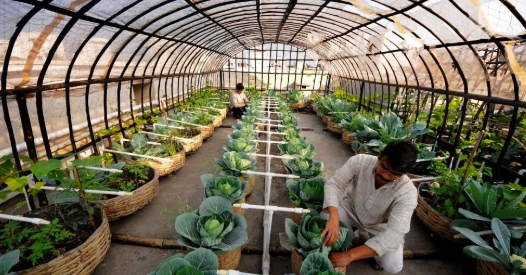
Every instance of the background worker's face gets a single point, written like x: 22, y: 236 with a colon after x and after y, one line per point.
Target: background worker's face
x: 239, y: 91
x: 384, y: 172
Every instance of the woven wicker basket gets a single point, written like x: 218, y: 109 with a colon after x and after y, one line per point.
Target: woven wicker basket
x: 489, y: 268
x: 217, y: 122
x: 299, y: 105
x: 284, y: 168
x: 260, y: 127
x: 207, y: 131
x: 347, y: 137
x: 79, y: 261
x: 361, y: 153
x: 315, y: 108
x: 251, y: 182
x: 297, y: 262
x: 295, y: 216
x: 325, y: 119
x: 223, y: 112
x: 440, y: 225
x: 163, y: 167
x: 192, y: 146
x: 122, y: 206
x: 331, y: 127
x: 230, y: 260
x: 239, y: 210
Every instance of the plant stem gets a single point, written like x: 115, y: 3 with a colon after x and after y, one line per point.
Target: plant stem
x: 83, y: 196
x: 472, y: 156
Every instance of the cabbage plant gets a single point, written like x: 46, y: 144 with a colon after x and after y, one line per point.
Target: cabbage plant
x: 317, y: 264
x: 303, y: 167
x: 241, y: 124
x: 232, y: 163
x: 298, y: 146
x: 198, y: 262
x: 139, y: 145
x: 295, y: 96
x: 229, y: 187
x: 241, y: 146
x: 307, y: 193
x: 247, y: 134
x: 212, y: 226
x: 306, y: 239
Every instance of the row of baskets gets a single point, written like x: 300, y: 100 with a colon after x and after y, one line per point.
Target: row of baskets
x: 85, y: 258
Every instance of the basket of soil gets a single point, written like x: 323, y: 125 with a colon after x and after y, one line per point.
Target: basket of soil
x: 331, y: 127
x: 325, y: 119
x: 251, y: 182
x: 295, y: 216
x: 432, y: 219
x: 194, y: 142
x: 145, y: 183
x: 217, y: 121
x: 207, y: 131
x: 230, y: 260
x: 296, y: 263
x: 239, y: 210
x: 315, y: 108
x: 347, y: 137
x: 80, y: 245
x: 299, y: 105
x: 163, y: 168
x: 490, y: 268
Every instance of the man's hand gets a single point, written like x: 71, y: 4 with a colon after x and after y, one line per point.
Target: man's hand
x: 332, y: 228
x: 341, y: 259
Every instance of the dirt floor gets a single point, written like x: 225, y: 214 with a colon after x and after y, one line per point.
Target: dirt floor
x: 183, y: 189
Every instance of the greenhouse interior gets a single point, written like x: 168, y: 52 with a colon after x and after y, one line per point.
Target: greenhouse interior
x: 310, y: 137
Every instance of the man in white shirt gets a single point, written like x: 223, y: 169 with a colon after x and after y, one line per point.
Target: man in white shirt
x: 238, y: 101
x: 374, y: 195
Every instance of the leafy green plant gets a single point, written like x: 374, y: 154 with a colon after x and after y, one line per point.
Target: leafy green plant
x: 489, y: 202
x: 298, y: 146
x: 244, y: 125
x: 139, y: 175
x: 212, y: 226
x: 198, y: 262
x: 295, y: 96
x: 306, y: 239
x: 246, y: 134
x: 233, y: 163
x: 307, y: 193
x: 8, y: 260
x: 317, y: 264
x: 303, y: 167
x: 229, y: 187
x: 512, y: 258
x: 241, y: 146
x: 139, y: 145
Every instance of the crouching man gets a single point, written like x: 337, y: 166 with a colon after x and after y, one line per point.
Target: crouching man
x: 374, y: 195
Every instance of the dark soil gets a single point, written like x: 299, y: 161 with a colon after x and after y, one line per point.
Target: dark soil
x: 127, y: 176
x: 70, y: 217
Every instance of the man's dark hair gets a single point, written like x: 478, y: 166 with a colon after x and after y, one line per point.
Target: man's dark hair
x: 239, y: 86
x: 401, y: 155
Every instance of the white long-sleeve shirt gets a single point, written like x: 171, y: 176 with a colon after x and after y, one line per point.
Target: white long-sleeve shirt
x: 384, y: 212
x: 238, y: 100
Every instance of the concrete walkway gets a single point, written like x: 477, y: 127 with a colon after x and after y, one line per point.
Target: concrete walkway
x: 184, y: 189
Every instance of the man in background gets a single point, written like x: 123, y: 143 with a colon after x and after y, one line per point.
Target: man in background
x: 238, y: 101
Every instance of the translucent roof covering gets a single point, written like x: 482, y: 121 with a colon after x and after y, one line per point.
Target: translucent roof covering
x: 427, y: 44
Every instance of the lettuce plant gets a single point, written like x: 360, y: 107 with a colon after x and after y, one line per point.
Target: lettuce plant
x: 306, y: 239
x: 198, y: 262
x: 303, y: 167
x: 317, y: 264
x: 298, y: 146
x: 241, y: 146
x: 212, y: 226
x: 229, y: 187
x: 307, y: 193
x: 232, y: 163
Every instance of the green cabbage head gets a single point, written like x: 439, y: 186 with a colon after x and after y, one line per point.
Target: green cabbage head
x: 198, y: 262
x: 298, y: 146
x: 212, y: 226
x: 306, y: 238
x: 307, y: 193
x: 303, y: 167
x: 317, y: 264
x: 241, y: 146
x: 229, y: 187
x: 232, y: 163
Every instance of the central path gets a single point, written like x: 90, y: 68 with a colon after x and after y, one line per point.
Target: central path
x: 184, y: 189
